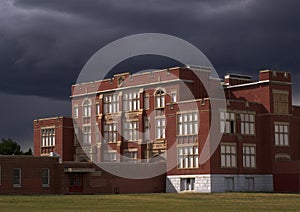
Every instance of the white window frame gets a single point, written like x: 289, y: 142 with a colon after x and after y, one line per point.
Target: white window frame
x: 131, y: 130
x: 281, y: 133
x: 86, y: 108
x: 228, y: 153
x: 110, y: 156
x: 247, y: 124
x: 131, y: 101
x: 227, y: 122
x: 146, y: 102
x: 48, y: 137
x: 76, y: 111
x: 130, y: 155
x: 159, y: 98
x: 111, y: 103
x: 188, y: 156
x: 187, y: 123
x: 111, y: 132
x: 160, y: 126
x: 173, y: 96
x: 249, y: 156
x: 87, y: 134
x: 187, y: 184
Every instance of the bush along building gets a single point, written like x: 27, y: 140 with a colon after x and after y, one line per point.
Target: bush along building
x: 163, y: 119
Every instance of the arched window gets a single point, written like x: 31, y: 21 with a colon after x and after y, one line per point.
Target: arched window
x: 86, y: 108
x: 159, y: 99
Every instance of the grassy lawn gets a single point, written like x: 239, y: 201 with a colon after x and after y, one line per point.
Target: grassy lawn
x: 154, y: 202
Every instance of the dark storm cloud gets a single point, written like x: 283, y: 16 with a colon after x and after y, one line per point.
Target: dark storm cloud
x: 45, y: 43
x: 243, y: 35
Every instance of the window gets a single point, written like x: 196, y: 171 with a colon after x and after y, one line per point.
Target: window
x: 130, y: 155
x: 111, y: 132
x: 187, y: 124
x: 75, y: 111
x: 281, y: 101
x: 146, y: 102
x: 187, y: 184
x: 173, y: 97
x: 228, y: 155
x: 159, y: 99
x: 249, y: 156
x: 97, y: 109
x: 86, y: 108
x: 247, y: 124
x: 110, y: 156
x: 111, y: 103
x: 160, y: 124
x: 146, y: 129
x: 187, y: 157
x: 45, y: 177
x: 131, y: 131
x: 131, y: 101
x: 87, y: 135
x: 227, y: 122
x: 17, y: 177
x: 48, y: 137
x: 281, y: 134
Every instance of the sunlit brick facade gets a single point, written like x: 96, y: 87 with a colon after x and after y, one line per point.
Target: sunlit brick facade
x: 141, y: 117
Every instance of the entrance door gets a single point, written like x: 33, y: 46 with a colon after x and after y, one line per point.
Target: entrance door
x: 249, y: 183
x: 75, y: 182
x: 229, y: 184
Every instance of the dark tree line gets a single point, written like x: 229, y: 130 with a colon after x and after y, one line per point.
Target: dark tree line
x: 11, y: 147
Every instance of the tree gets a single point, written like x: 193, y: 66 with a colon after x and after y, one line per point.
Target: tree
x: 9, y: 147
x: 29, y: 152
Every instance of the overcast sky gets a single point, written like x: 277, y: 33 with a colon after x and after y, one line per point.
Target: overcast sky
x: 45, y: 43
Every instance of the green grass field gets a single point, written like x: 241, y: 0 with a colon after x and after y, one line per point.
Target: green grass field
x: 154, y: 202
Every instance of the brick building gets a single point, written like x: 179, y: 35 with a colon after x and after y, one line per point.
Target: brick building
x: 141, y: 117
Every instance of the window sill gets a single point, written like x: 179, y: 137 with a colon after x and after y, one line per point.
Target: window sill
x: 46, y: 186
x: 17, y: 186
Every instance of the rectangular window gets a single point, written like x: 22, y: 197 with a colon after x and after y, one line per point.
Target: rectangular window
x: 247, y: 124
x: 228, y: 155
x: 76, y: 109
x: 227, y: 122
x: 131, y: 101
x: 281, y: 134
x: 131, y: 131
x: 130, y: 155
x: 173, y: 97
x: 87, y: 139
x: 45, y: 177
x: 111, y: 132
x: 187, y: 184
x: 48, y: 137
x: 187, y: 157
x: 110, y: 156
x: 111, y: 103
x: 160, y: 128
x: 187, y: 124
x: 281, y: 101
x: 97, y: 109
x: 17, y: 177
x: 146, y: 129
x: 146, y: 102
x: 159, y: 99
x: 249, y: 156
